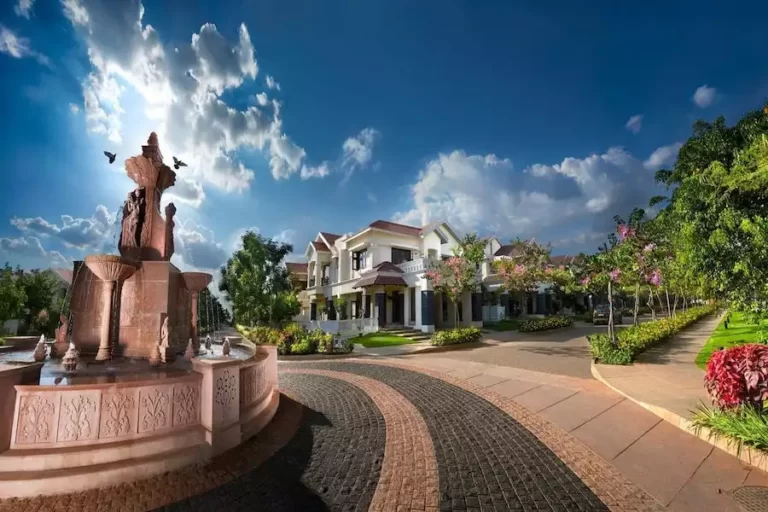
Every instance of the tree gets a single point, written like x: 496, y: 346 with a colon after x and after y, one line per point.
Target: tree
x: 256, y: 283
x: 459, y: 273
x: 43, y: 302
x: 12, y: 295
x: 211, y: 314
x: 719, y: 208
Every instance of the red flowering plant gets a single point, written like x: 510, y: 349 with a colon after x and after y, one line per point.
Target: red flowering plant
x: 738, y: 376
x: 526, y: 267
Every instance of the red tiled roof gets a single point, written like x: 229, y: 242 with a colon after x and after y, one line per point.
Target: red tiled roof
x: 387, y: 266
x: 320, y: 246
x: 296, y: 268
x: 395, y: 228
x: 330, y: 237
x: 65, y: 274
x: 380, y: 280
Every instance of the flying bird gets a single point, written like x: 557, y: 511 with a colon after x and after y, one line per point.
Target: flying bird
x: 178, y: 163
x: 111, y: 156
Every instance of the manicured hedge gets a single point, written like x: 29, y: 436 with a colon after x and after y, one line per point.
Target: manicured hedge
x: 296, y: 340
x: 633, y: 340
x: 546, y: 323
x: 456, y: 336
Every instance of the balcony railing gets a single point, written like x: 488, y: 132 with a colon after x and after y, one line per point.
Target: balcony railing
x: 415, y: 265
x: 311, y: 283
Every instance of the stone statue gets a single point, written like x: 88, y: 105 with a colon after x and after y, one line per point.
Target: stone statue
x: 170, y: 211
x: 59, y: 347
x: 130, y: 219
x: 165, y: 337
x: 40, y: 349
x: 226, y: 347
x: 71, y: 358
x: 189, y: 354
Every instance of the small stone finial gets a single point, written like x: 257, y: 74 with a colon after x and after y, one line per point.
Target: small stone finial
x: 226, y: 347
x: 152, y: 140
x: 189, y: 354
x: 71, y: 358
x: 40, y: 349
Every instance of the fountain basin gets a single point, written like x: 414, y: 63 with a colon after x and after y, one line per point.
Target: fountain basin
x: 87, y: 431
x: 110, y: 267
x: 196, y: 281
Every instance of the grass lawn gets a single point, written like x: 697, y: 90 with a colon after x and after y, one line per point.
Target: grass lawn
x: 377, y: 339
x: 739, y: 332
x: 502, y: 325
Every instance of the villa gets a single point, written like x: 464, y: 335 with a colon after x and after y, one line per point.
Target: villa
x: 377, y: 274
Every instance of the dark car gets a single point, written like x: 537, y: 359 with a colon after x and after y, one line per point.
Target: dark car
x: 600, y: 315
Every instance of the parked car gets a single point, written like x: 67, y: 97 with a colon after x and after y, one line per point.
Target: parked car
x: 600, y: 315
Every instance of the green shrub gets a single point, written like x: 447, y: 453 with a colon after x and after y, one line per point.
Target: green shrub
x: 546, y: 323
x: 587, y: 317
x: 456, y: 336
x: 322, y: 341
x: 302, y: 348
x: 264, y: 335
x: 636, y: 339
x: 746, y: 425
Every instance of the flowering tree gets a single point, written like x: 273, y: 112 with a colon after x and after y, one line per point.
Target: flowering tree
x: 459, y: 273
x: 529, y: 266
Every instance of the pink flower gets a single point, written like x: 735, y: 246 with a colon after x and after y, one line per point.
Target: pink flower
x: 655, y: 277
x: 615, y: 274
x: 649, y: 247
x: 585, y: 281
x: 548, y: 270
x: 561, y: 267
x: 625, y: 231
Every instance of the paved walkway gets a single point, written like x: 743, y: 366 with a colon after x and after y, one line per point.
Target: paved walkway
x: 666, y: 377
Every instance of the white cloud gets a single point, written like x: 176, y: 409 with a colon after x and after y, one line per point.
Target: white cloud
x: 321, y: 171
x: 261, y: 99
x: 182, y: 87
x: 635, y: 123
x: 18, y: 47
x: 272, y: 83
x: 80, y: 233
x: 31, y: 248
x: 187, y: 191
x: 663, y: 156
x: 358, y: 150
x: 23, y: 8
x: 371, y: 197
x: 286, y: 236
x: 196, y: 246
x: 74, y: 108
x: 483, y: 193
x: 704, y: 96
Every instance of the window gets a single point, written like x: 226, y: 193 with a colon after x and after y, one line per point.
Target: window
x: 358, y: 259
x: 400, y: 255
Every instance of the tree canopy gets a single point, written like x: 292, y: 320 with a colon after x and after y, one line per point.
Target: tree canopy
x: 256, y: 282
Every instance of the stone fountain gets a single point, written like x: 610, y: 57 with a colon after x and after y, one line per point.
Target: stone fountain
x: 120, y: 303
x: 67, y: 424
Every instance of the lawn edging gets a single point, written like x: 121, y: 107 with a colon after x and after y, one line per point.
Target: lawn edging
x: 746, y: 454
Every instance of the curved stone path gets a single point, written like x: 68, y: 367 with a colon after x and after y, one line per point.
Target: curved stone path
x: 353, y: 435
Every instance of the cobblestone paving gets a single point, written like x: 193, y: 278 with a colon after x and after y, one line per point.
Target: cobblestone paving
x: 332, y: 463
x: 486, y: 460
x: 378, y: 436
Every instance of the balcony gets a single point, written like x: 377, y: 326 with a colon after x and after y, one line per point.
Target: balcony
x: 416, y: 265
x: 324, y: 281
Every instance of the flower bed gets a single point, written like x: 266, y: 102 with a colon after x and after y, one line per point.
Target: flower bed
x: 456, y: 336
x: 546, y: 323
x: 637, y: 338
x: 297, y: 341
x: 737, y: 382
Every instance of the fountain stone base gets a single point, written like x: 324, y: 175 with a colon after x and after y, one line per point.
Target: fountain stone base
x: 155, y: 291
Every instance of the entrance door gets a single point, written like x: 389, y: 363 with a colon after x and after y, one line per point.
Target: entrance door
x: 398, y: 304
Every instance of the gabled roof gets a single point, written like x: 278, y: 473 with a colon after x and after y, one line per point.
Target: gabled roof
x: 505, y: 250
x: 319, y: 246
x: 564, y: 259
x: 386, y: 266
x: 393, y: 227
x: 64, y: 274
x: 329, y: 238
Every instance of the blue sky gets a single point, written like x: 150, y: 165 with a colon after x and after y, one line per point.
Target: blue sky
x: 301, y: 116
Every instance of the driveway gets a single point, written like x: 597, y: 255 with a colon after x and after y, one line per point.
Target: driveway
x: 560, y: 351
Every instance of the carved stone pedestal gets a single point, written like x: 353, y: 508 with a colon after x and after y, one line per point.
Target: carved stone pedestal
x: 220, y: 402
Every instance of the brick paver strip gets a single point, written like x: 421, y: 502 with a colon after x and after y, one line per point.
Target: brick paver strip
x: 409, y: 471
x: 333, y: 461
x: 606, y: 482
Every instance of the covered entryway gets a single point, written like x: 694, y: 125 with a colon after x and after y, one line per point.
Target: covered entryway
x: 386, y: 285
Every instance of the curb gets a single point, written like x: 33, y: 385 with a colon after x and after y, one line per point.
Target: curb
x: 749, y: 456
